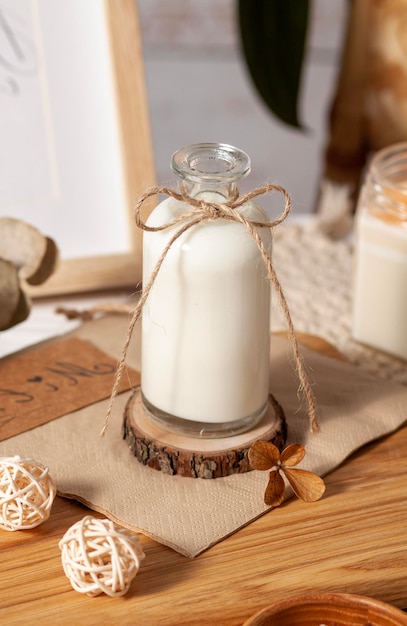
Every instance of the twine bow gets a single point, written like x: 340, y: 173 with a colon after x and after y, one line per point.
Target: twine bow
x: 203, y: 210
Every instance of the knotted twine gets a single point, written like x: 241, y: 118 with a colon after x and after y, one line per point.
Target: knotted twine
x: 201, y: 211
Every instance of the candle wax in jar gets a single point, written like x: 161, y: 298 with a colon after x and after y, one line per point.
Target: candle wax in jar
x: 380, y: 287
x: 205, y: 336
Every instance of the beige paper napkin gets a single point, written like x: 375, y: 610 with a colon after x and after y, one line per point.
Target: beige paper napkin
x: 188, y: 514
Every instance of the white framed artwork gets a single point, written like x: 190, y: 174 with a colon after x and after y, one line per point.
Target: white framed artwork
x: 75, y: 148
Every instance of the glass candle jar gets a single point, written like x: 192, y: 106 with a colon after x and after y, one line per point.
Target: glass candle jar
x: 380, y: 282
x: 206, y: 321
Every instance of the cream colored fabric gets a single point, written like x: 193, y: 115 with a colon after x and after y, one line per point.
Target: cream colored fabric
x: 187, y: 514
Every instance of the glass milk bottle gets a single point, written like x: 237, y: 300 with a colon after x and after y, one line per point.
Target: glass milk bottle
x: 380, y: 282
x: 205, y: 324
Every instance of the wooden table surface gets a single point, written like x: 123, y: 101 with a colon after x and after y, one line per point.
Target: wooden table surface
x: 354, y: 540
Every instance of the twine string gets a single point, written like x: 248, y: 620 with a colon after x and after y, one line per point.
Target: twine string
x: 203, y: 210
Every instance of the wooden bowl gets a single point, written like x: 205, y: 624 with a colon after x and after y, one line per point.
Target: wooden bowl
x: 329, y: 609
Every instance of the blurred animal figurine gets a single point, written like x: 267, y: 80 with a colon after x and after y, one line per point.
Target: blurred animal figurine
x: 369, y: 109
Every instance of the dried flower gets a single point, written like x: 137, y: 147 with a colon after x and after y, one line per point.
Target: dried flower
x: 306, y: 485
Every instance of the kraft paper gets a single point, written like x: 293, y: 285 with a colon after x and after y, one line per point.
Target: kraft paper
x: 53, y: 380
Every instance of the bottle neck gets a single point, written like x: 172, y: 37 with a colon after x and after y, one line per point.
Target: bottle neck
x: 210, y: 191
x: 210, y: 169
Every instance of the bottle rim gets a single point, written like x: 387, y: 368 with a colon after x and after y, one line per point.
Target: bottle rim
x: 211, y: 163
x: 386, y: 159
x: 388, y: 178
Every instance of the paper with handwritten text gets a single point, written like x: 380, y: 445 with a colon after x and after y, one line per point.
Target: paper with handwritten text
x: 52, y: 381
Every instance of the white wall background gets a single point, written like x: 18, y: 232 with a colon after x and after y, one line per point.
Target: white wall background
x: 199, y: 90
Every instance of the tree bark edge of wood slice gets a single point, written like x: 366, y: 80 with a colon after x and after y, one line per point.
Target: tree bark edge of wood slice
x: 192, y: 457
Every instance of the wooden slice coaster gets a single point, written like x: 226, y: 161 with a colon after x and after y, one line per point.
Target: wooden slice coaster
x: 173, y: 453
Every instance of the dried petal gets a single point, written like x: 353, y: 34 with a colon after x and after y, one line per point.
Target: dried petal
x: 292, y: 455
x: 306, y: 485
x: 14, y: 304
x: 263, y: 455
x: 274, y: 494
x: 34, y: 255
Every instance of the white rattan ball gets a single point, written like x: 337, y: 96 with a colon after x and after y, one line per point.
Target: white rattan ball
x: 26, y: 493
x: 100, y: 557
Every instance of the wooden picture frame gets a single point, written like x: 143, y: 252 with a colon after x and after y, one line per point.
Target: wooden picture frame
x: 132, y: 164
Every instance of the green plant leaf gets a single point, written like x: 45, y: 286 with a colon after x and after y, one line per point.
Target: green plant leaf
x: 273, y: 35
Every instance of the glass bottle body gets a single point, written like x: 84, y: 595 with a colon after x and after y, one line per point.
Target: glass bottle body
x: 205, y: 325
x: 380, y: 280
